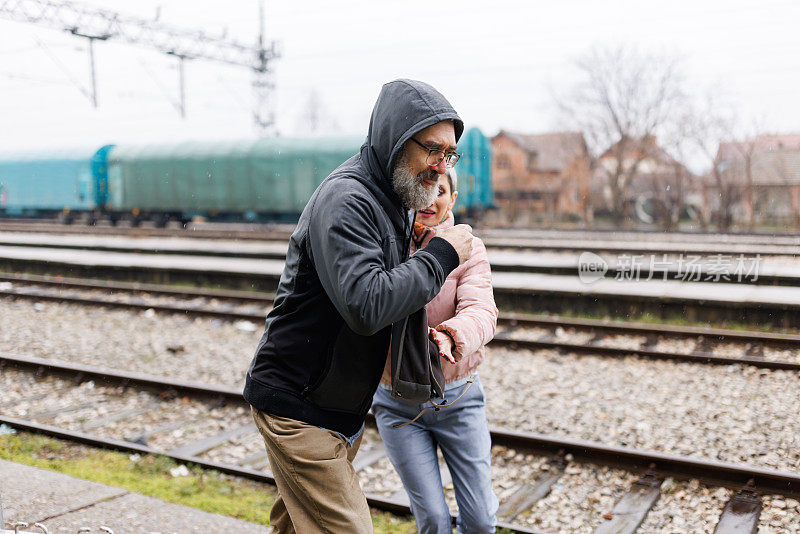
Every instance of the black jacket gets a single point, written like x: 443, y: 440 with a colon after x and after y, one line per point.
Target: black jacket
x: 348, y: 284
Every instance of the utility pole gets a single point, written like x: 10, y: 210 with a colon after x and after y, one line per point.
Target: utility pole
x: 181, y: 85
x: 92, y: 39
x: 262, y: 79
x: 103, y: 25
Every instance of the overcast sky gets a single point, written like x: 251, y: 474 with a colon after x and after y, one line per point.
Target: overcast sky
x: 498, y: 64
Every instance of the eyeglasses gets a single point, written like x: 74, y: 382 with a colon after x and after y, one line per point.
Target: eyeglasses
x: 435, y: 156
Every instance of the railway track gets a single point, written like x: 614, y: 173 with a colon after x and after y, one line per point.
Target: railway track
x: 210, y: 426
x: 569, y: 243
x: 657, y: 235
x: 253, y: 232
x: 250, y: 229
x: 767, y: 350
x: 738, y: 268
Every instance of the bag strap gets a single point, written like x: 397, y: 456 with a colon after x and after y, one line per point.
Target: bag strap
x: 437, y: 407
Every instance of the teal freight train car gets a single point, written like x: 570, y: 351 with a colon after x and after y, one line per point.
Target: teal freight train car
x: 265, y: 179
x: 474, y: 174
x: 46, y: 183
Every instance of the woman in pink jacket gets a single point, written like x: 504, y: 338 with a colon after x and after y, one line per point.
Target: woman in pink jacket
x: 462, y: 318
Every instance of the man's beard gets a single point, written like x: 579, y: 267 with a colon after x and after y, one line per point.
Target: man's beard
x: 411, y: 189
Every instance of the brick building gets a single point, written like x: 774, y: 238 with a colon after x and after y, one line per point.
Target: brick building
x: 765, y: 172
x: 542, y: 176
x: 654, y: 186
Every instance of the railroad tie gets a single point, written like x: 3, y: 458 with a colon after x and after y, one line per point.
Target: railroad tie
x: 755, y: 350
x: 740, y: 515
x: 633, y: 507
x: 113, y: 418
x: 32, y: 398
x: 49, y: 414
x: 200, y: 446
x: 651, y: 340
x: 262, y: 465
x: 704, y: 344
x: 531, y: 492
x: 371, y: 456
x: 597, y: 336
x: 145, y: 436
x: 257, y: 460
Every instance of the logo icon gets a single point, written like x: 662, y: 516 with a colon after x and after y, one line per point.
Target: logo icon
x: 591, y: 267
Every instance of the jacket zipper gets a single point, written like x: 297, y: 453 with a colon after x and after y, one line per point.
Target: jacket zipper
x: 401, y: 345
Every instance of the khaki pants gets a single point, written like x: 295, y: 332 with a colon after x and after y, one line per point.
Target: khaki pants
x: 318, y: 490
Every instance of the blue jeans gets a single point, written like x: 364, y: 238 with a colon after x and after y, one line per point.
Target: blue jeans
x: 462, y: 433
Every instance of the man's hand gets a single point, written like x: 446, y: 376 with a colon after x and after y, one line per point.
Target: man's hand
x: 460, y: 237
x: 445, y: 344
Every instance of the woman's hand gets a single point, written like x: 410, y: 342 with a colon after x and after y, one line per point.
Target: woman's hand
x: 444, y: 342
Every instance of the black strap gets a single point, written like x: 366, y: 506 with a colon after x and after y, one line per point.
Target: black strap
x: 437, y: 407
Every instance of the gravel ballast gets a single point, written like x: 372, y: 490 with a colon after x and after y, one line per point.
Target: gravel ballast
x: 194, y: 349
x: 733, y: 413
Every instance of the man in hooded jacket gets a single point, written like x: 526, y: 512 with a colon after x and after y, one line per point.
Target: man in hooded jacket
x: 347, y: 289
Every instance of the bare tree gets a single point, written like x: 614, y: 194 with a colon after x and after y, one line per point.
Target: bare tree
x: 673, y: 185
x: 747, y: 148
x: 313, y: 111
x: 713, y: 122
x: 315, y: 117
x: 667, y: 194
x: 623, y: 99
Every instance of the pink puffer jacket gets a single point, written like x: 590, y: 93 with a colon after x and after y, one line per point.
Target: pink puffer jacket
x: 464, y: 308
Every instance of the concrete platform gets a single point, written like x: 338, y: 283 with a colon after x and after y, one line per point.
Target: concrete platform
x: 724, y: 268
x: 177, y: 262
x: 640, y: 235
x: 643, y: 245
x: 700, y: 301
x: 669, y: 290
x: 179, y: 245
x: 770, y: 272
x: 534, y: 282
x: 64, y: 504
x: 276, y: 249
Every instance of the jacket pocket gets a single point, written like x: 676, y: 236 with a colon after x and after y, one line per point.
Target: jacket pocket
x: 353, y: 369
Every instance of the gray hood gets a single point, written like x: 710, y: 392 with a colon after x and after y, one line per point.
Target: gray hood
x: 404, y: 108
x: 349, y: 288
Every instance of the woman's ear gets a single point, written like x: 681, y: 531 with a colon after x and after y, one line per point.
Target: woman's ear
x: 453, y: 200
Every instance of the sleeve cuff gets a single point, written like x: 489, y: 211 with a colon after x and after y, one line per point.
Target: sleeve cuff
x: 444, y: 253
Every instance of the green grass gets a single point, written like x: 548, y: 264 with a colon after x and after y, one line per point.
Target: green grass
x: 150, y: 475
x: 204, y: 489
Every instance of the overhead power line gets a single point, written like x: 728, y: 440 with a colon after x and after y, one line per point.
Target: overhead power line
x: 97, y: 24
